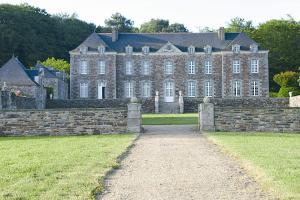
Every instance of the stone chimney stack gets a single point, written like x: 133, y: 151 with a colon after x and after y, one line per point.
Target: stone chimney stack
x: 221, y: 33
x: 115, y: 35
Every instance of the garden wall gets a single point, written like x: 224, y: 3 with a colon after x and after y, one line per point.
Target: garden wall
x: 63, y: 122
x: 295, y: 101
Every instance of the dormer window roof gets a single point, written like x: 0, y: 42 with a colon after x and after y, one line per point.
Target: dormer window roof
x: 101, y: 49
x: 236, y: 48
x: 83, y: 49
x: 254, y: 48
x: 208, y: 49
x: 191, y: 49
x: 128, y: 49
x: 145, y: 50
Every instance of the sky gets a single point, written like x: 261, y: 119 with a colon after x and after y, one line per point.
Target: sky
x: 192, y: 13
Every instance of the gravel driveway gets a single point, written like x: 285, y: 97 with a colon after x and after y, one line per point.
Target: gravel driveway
x: 175, y: 162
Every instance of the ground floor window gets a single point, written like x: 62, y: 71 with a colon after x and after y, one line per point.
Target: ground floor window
x: 208, y: 89
x: 254, y: 88
x: 146, y: 86
x: 191, y: 89
x: 128, y: 89
x: 84, y: 90
x: 237, y: 88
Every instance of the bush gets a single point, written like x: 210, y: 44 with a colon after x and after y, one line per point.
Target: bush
x: 287, y: 79
x: 273, y: 94
x: 284, y: 91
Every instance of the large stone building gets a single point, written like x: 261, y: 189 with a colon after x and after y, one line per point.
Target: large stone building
x: 124, y: 65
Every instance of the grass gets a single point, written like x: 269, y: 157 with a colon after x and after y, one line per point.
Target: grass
x: 57, y: 167
x: 170, y: 119
x: 272, y: 158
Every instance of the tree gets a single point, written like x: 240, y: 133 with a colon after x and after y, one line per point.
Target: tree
x: 176, y: 28
x: 119, y: 22
x: 59, y: 64
x: 240, y: 25
x: 155, y: 26
x: 288, y: 83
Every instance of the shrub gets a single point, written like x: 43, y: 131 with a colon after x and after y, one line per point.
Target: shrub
x: 284, y: 91
x: 273, y: 94
x: 287, y: 79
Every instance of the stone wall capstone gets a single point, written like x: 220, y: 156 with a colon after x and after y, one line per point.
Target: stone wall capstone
x: 294, y: 101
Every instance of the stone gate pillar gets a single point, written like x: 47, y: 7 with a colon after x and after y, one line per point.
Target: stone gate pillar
x: 206, y: 116
x: 134, y: 118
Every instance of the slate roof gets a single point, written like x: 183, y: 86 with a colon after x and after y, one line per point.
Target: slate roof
x: 48, y: 72
x: 13, y: 72
x: 156, y: 40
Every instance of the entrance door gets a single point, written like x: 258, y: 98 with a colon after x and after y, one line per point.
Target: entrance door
x: 169, y: 92
x: 101, y: 90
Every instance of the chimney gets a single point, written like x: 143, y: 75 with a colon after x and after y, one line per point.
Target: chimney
x: 115, y: 35
x: 221, y: 33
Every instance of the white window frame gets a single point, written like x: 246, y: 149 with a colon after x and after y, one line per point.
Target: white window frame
x: 128, y: 89
x: 191, y: 50
x: 208, y: 49
x: 208, y: 89
x: 83, y: 67
x: 101, y: 67
x: 237, y: 88
x: 236, y: 66
x: 192, y: 67
x: 236, y: 48
x: 84, y: 90
x: 191, y: 88
x: 254, y: 87
x: 146, y: 67
x: 129, y: 49
x: 169, y: 67
x: 146, y: 50
x: 101, y: 49
x: 254, y: 66
x: 146, y: 89
x: 208, y: 67
x: 128, y: 67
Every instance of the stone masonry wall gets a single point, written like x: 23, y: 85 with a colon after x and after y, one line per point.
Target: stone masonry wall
x: 257, y: 119
x: 294, y: 101
x: 63, y: 122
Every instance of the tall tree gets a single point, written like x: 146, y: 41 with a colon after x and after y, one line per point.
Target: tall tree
x: 238, y: 24
x: 155, y: 26
x: 59, y: 64
x: 176, y: 28
x: 119, y: 22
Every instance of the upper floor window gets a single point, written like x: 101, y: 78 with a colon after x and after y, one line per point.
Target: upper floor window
x: 192, y: 67
x: 128, y: 49
x: 128, y: 89
x: 191, y: 89
x: 128, y: 68
x: 254, y: 88
x: 254, y: 66
x: 145, y: 50
x: 83, y: 67
x: 236, y: 66
x: 208, y: 67
x: 101, y: 49
x: 191, y: 49
x: 168, y: 67
x: 208, y: 89
x: 208, y: 49
x: 146, y: 87
x: 84, y: 88
x: 253, y: 48
x: 237, y: 88
x: 83, y: 49
x: 236, y: 48
x: 101, y: 67
x: 146, y: 67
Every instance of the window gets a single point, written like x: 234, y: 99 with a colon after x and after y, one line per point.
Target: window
x: 254, y: 88
x: 254, y: 66
x: 101, y: 49
x: 208, y: 67
x: 83, y: 49
x: 236, y: 66
x: 146, y: 67
x: 128, y: 49
x: 191, y: 50
x: 83, y: 67
x: 101, y: 67
x: 192, y: 67
x: 208, y: 89
x: 237, y: 88
x: 208, y: 49
x: 84, y: 90
x: 145, y: 50
x: 169, y: 67
x: 128, y: 89
x: 191, y: 88
x: 128, y: 67
x: 37, y: 79
x: 236, y: 48
x: 146, y: 89
x: 253, y: 48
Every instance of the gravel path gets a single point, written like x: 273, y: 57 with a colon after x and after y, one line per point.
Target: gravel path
x: 175, y: 162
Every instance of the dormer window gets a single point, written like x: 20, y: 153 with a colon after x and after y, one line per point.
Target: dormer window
x: 253, y: 48
x: 208, y: 49
x: 236, y: 48
x: 129, y: 49
x: 191, y: 49
x: 145, y: 50
x: 83, y: 49
x: 101, y: 49
x: 169, y: 47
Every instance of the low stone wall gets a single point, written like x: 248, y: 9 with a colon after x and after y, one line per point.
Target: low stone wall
x: 257, y: 119
x: 63, y: 122
x: 9, y: 101
x: 294, y: 101
x: 191, y: 104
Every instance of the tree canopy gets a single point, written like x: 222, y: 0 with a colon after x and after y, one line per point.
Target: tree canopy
x: 161, y: 25
x: 59, y: 64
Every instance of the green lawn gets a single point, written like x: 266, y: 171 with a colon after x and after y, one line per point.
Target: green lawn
x: 57, y: 167
x: 170, y: 119
x: 274, y: 159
